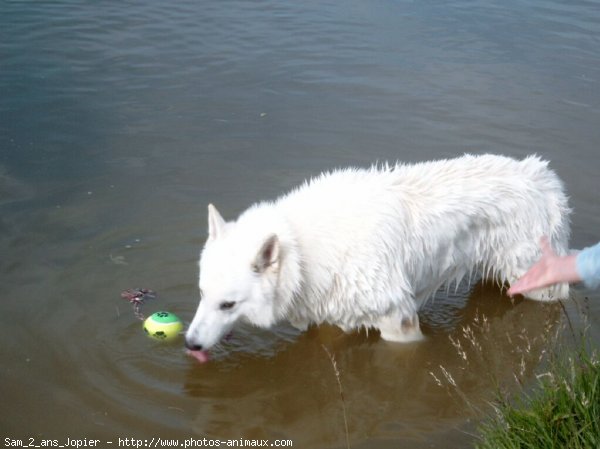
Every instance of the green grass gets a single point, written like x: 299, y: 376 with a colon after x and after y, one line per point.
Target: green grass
x: 563, y: 412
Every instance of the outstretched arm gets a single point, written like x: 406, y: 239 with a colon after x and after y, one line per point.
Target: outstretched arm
x: 588, y: 266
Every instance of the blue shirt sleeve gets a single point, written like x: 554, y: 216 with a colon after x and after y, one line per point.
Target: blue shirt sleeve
x: 588, y: 266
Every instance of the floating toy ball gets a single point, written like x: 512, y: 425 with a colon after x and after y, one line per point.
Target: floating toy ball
x: 163, y: 326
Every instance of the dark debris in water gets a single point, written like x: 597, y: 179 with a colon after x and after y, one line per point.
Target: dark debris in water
x: 137, y: 297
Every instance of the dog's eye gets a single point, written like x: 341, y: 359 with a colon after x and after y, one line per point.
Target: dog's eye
x: 226, y: 305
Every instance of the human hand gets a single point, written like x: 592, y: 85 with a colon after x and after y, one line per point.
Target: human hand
x: 550, y: 269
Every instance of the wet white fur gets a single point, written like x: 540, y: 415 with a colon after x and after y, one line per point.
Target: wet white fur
x: 368, y: 247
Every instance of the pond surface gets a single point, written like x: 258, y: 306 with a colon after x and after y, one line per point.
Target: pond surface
x: 121, y: 121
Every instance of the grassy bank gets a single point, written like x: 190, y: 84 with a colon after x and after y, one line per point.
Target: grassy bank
x: 563, y: 411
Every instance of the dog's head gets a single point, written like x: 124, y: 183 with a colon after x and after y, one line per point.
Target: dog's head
x: 238, y: 277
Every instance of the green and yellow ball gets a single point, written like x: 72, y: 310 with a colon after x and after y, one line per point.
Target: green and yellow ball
x: 163, y: 326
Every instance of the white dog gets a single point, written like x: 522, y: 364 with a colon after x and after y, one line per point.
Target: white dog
x: 366, y: 248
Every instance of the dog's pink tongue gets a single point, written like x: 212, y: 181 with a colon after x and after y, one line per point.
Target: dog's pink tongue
x: 201, y: 356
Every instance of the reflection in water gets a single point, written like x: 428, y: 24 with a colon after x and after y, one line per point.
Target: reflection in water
x: 390, y: 390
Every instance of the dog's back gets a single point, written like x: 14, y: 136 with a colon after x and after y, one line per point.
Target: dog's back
x: 428, y: 223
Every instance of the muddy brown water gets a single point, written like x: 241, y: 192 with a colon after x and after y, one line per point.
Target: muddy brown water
x: 121, y: 121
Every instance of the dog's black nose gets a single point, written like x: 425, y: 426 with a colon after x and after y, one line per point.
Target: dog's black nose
x: 193, y: 347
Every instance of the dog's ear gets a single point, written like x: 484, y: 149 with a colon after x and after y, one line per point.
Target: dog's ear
x: 215, y: 222
x: 268, y: 255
